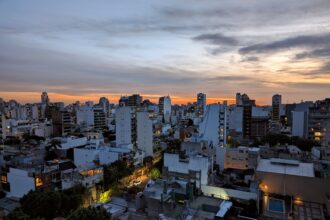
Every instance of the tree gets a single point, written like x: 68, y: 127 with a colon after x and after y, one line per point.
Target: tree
x: 89, y: 213
x: 17, y: 214
x: 49, y: 205
x: 155, y: 173
x: 45, y: 205
x: 114, y: 172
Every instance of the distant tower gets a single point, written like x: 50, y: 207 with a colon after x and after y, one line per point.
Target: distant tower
x: 276, y: 104
x: 165, y: 107
x: 44, y: 98
x: 201, y: 104
x: 239, y: 99
x: 105, y: 105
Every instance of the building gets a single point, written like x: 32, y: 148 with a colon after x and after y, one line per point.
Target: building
x: 165, y: 108
x: 144, y: 133
x: 96, y: 155
x: 299, y: 124
x: 201, y: 104
x: 123, y: 101
x: 135, y: 100
x: 259, y: 122
x: 247, y: 114
x: 44, y: 98
x: 124, y: 126
x: 99, y: 118
x: 235, y: 119
x: 241, y: 158
x: 281, y: 177
x: 105, y: 105
x: 85, y: 116
x: 319, y: 122
x: 276, y: 105
x: 194, y: 169
x: 2, y: 126
x: 61, y: 119
x: 239, y: 100
x: 213, y: 127
x: 21, y: 180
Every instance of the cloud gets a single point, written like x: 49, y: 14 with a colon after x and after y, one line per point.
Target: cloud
x: 317, y: 53
x: 298, y: 41
x: 215, y: 39
x: 250, y: 59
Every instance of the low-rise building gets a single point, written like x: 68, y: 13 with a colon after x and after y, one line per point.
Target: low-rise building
x: 193, y: 168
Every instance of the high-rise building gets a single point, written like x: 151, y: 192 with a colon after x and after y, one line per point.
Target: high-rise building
x: 239, y: 101
x: 105, y: 105
x: 165, y: 107
x: 213, y: 127
x: 2, y: 126
x: 99, y: 119
x: 123, y: 126
x: 123, y: 101
x: 135, y: 100
x: 259, y: 122
x: 276, y: 105
x: 247, y: 114
x: 144, y: 133
x: 201, y: 104
x: 62, y: 121
x: 85, y: 116
x: 319, y: 121
x: 44, y: 98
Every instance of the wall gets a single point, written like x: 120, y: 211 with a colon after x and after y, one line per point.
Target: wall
x: 224, y: 193
x: 307, y: 188
x: 20, y: 182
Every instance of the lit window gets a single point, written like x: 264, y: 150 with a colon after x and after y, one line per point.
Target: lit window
x: 38, y: 182
x: 90, y: 172
x: 4, y: 179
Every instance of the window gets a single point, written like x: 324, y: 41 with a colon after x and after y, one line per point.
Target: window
x: 38, y: 182
x: 4, y: 179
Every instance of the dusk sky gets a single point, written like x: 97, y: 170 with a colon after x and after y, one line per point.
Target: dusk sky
x: 83, y: 49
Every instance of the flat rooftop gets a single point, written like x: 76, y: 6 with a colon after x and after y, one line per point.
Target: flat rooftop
x: 288, y: 167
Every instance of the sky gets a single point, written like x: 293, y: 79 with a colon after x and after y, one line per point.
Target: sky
x: 82, y: 49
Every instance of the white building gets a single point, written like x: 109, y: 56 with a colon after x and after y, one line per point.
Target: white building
x: 199, y: 164
x: 35, y: 112
x: 123, y: 126
x: 85, y: 116
x: 72, y: 142
x: 92, y: 155
x: 43, y: 129
x: 144, y: 133
x: 213, y: 127
x: 20, y: 182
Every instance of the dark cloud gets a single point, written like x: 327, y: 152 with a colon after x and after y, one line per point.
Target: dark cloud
x: 323, y: 52
x: 298, y: 41
x: 325, y: 68
x: 216, y: 39
x: 250, y: 59
x: 218, y: 79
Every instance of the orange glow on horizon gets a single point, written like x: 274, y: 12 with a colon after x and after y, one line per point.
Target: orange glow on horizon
x: 34, y: 97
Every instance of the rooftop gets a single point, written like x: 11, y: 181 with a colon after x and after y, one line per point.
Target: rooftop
x: 288, y: 167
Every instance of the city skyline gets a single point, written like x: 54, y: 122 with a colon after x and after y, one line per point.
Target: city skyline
x: 159, y: 48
